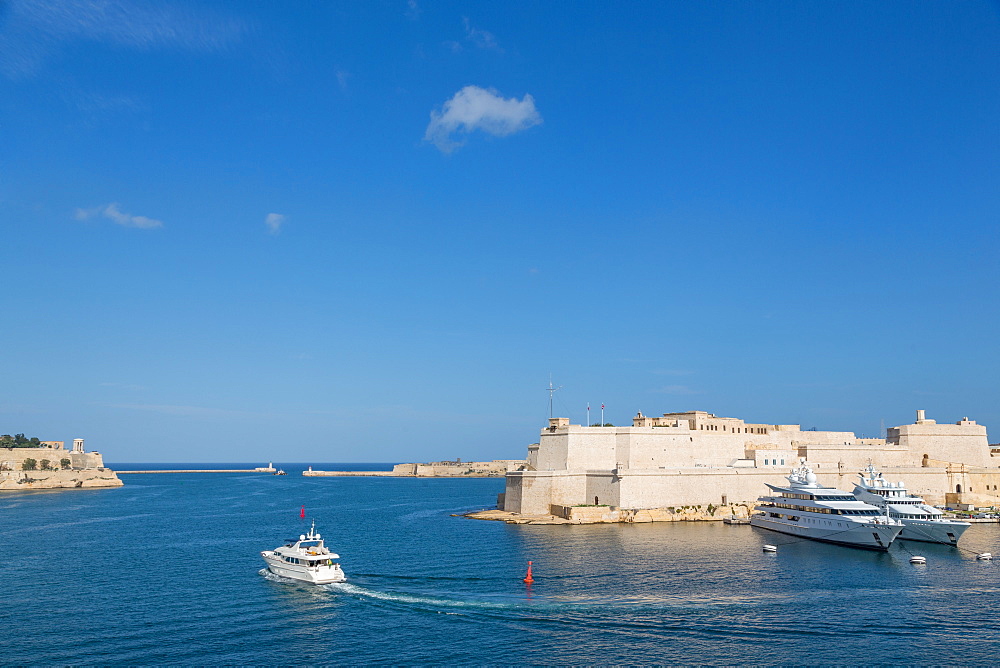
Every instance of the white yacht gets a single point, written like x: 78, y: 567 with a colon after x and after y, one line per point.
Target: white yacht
x: 921, y: 521
x: 306, y: 559
x: 807, y: 509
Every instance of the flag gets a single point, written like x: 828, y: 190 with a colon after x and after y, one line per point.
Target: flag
x: 602, y: 407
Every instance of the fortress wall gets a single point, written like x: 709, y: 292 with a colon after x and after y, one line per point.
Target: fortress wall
x: 602, y: 488
x: 533, y: 456
x: 553, y: 452
x: 965, y: 442
x: 511, y: 497
x: 573, y: 447
x: 854, y: 457
x: 592, y: 448
x: 16, y: 456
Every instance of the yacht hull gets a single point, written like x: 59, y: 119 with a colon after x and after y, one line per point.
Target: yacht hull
x: 314, y: 575
x: 866, y: 536
x: 945, y: 533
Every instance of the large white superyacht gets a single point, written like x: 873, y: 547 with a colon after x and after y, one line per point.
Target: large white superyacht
x: 921, y: 521
x: 807, y: 509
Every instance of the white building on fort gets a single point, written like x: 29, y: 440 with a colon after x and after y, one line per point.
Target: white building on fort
x: 698, y: 459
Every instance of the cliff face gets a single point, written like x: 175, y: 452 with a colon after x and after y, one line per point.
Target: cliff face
x: 60, y: 479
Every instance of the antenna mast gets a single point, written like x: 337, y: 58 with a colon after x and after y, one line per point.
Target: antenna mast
x: 552, y: 390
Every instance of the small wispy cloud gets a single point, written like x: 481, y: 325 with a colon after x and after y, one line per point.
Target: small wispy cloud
x: 677, y: 389
x: 113, y: 213
x: 474, y: 108
x: 671, y: 372
x: 274, y: 221
x: 34, y: 29
x: 342, y: 78
x: 123, y: 386
x: 480, y: 38
x: 412, y: 10
x: 183, y: 411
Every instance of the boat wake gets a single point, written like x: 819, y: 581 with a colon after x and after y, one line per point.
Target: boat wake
x: 421, y: 600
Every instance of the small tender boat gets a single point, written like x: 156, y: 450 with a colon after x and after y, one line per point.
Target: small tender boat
x: 306, y: 559
x: 984, y: 556
x: 917, y: 559
x: 770, y: 548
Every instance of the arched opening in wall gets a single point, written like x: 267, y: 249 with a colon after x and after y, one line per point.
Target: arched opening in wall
x: 926, y: 461
x: 958, y: 489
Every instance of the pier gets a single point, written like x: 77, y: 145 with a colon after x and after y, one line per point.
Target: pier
x: 310, y: 472
x: 200, y: 471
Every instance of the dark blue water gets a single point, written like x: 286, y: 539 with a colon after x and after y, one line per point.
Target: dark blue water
x: 167, y: 570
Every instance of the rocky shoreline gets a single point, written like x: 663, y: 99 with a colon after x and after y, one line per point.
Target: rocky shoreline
x: 608, y: 515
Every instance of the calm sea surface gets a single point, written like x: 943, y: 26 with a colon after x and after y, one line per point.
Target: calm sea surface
x: 167, y: 570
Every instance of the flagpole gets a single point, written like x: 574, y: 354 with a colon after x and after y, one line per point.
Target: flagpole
x: 602, y: 413
x: 588, y: 413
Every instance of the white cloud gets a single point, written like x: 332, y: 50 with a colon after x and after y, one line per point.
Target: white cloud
x: 412, y: 10
x: 113, y: 213
x: 274, y: 221
x: 474, y: 108
x: 480, y: 38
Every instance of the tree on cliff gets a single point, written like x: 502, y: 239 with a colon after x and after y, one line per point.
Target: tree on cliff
x: 19, y: 441
x: 28, y: 464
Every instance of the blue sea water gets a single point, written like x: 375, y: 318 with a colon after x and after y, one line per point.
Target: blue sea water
x: 167, y: 570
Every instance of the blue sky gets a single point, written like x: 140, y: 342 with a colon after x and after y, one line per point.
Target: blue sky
x: 343, y: 231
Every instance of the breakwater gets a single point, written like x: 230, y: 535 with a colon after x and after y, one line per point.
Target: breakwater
x: 199, y: 471
x: 390, y: 474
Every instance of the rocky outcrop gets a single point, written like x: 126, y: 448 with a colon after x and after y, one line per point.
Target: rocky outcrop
x: 611, y: 515
x: 58, y: 479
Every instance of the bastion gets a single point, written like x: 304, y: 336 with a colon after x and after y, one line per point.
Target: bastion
x: 55, y: 467
x: 695, y: 465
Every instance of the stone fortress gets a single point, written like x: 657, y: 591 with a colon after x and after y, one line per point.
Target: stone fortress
x: 65, y: 468
x: 719, y: 465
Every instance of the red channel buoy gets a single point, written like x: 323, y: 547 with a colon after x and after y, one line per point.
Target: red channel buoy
x: 527, y: 578
x: 302, y: 513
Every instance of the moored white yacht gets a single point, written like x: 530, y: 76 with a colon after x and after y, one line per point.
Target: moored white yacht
x: 306, y: 559
x: 921, y: 521
x: 807, y: 509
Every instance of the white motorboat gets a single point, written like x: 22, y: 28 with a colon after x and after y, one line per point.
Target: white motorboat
x: 306, y: 559
x: 807, y: 509
x: 921, y: 521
